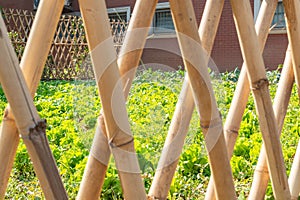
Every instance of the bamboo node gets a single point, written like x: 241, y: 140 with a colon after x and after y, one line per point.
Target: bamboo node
x: 112, y: 145
x: 151, y: 198
x: 8, y: 115
x: 232, y: 131
x: 262, y: 170
x: 259, y: 84
x: 213, y: 123
x: 39, y: 129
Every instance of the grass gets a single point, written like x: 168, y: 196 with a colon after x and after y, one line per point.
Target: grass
x: 71, y: 110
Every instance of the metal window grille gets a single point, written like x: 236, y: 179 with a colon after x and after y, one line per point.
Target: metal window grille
x: 163, y: 22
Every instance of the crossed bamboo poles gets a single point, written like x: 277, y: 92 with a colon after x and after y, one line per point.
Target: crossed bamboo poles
x: 116, y: 122
x: 32, y: 66
x: 207, y: 116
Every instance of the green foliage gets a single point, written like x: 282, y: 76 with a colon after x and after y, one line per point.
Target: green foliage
x: 17, y: 40
x: 72, y: 108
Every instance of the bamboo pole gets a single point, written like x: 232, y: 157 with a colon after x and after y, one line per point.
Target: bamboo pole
x: 259, y: 84
x: 241, y: 95
x: 210, y: 119
x: 32, y: 64
x: 113, y: 102
x: 131, y: 52
x: 292, y: 14
x: 31, y: 127
x: 261, y: 174
x: 173, y: 144
x: 184, y: 109
x: 293, y: 26
x: 294, y: 178
x: 134, y: 42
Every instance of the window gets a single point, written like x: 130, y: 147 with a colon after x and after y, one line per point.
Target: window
x: 162, y: 21
x: 36, y: 4
x: 67, y: 6
x: 119, y: 14
x: 279, y: 20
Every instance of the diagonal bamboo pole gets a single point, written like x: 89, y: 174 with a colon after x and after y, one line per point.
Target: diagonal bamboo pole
x: 210, y: 119
x: 292, y: 14
x: 259, y: 84
x: 261, y: 175
x: 240, y: 98
x: 113, y: 102
x: 294, y: 178
x: 31, y: 127
x: 281, y: 101
x: 32, y: 64
x: 184, y: 108
x: 128, y: 61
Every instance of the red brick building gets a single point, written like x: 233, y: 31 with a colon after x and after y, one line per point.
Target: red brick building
x: 162, y: 48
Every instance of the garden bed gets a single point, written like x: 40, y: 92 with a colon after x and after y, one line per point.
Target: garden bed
x: 71, y: 109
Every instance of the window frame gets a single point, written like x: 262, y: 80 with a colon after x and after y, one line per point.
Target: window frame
x: 37, y: 2
x: 164, y: 32
x: 123, y: 9
x: 274, y: 30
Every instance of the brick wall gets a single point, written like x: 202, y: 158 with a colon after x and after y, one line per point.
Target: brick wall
x: 19, y: 4
x: 226, y: 51
x: 275, y: 49
x: 162, y: 52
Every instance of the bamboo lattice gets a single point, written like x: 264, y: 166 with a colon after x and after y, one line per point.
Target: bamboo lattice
x: 68, y: 58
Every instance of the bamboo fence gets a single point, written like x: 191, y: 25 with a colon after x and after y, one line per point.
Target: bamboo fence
x: 114, y: 72
x: 68, y: 57
x: 195, y: 60
x: 240, y: 98
x: 38, y: 44
x: 107, y: 76
x: 180, y: 121
x: 128, y: 61
x: 259, y: 85
x: 31, y: 127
